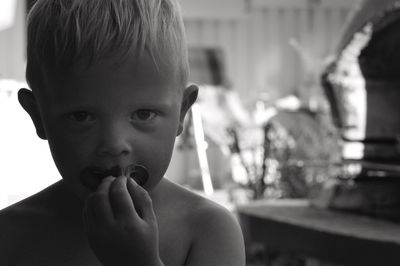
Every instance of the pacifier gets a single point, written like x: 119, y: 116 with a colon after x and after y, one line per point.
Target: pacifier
x: 91, y: 177
x: 138, y: 173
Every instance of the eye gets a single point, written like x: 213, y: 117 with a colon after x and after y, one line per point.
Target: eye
x: 143, y: 115
x: 81, y: 116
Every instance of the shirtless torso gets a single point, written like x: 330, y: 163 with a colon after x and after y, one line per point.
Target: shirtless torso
x: 47, y: 229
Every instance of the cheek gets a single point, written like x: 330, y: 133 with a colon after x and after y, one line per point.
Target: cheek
x: 69, y: 154
x: 156, y: 154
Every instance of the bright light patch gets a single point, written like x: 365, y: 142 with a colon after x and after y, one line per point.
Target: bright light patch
x: 7, y: 13
x: 26, y: 163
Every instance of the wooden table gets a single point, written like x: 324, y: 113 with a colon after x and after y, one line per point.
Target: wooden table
x: 331, y: 236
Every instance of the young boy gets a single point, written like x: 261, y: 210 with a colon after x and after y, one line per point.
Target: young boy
x: 108, y: 80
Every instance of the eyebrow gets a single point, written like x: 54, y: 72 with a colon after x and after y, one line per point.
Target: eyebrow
x: 139, y: 105
x: 158, y: 105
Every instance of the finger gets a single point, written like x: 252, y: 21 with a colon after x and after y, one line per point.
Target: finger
x: 141, y: 200
x: 98, y: 206
x: 105, y: 184
x: 89, y: 220
x: 121, y: 201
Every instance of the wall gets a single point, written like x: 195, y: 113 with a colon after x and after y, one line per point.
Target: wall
x: 259, y: 38
x: 12, y: 46
x: 256, y: 36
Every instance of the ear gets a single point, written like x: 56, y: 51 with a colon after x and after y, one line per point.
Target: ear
x: 28, y: 101
x: 188, y: 99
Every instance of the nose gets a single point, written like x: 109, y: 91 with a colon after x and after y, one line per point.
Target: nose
x: 114, y: 140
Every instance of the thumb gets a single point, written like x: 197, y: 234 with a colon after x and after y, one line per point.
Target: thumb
x: 141, y: 200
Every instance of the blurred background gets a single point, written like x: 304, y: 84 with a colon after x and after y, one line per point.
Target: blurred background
x: 247, y: 54
x: 297, y: 116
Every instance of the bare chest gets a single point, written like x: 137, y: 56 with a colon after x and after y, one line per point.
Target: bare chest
x: 175, y: 242
x: 44, y: 245
x: 24, y: 243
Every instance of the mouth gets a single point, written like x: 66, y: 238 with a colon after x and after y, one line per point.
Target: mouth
x: 91, y: 177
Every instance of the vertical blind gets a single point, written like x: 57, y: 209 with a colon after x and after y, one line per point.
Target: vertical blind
x: 256, y: 43
x: 260, y: 46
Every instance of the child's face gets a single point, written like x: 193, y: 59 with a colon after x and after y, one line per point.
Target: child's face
x: 110, y: 116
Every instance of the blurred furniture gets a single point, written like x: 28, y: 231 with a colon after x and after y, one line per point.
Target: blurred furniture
x: 205, y: 128
x: 362, y: 84
x: 330, y: 236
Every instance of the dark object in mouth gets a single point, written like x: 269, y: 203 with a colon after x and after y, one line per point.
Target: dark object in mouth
x: 116, y: 171
x: 138, y: 172
x: 91, y: 177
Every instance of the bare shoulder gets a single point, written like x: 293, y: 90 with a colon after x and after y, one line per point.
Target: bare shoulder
x: 20, y: 224
x: 42, y: 228
x: 216, y: 237
x: 39, y: 207
x: 20, y: 216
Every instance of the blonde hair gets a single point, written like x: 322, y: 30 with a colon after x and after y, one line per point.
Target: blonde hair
x: 63, y: 32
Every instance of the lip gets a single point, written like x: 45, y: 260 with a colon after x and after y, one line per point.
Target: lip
x: 92, y: 176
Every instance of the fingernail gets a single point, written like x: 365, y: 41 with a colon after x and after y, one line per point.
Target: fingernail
x: 132, y: 181
x: 109, y: 178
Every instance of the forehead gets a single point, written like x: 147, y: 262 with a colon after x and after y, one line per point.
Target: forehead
x: 113, y: 73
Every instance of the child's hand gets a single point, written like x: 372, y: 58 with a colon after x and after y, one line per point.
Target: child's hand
x: 121, y: 225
